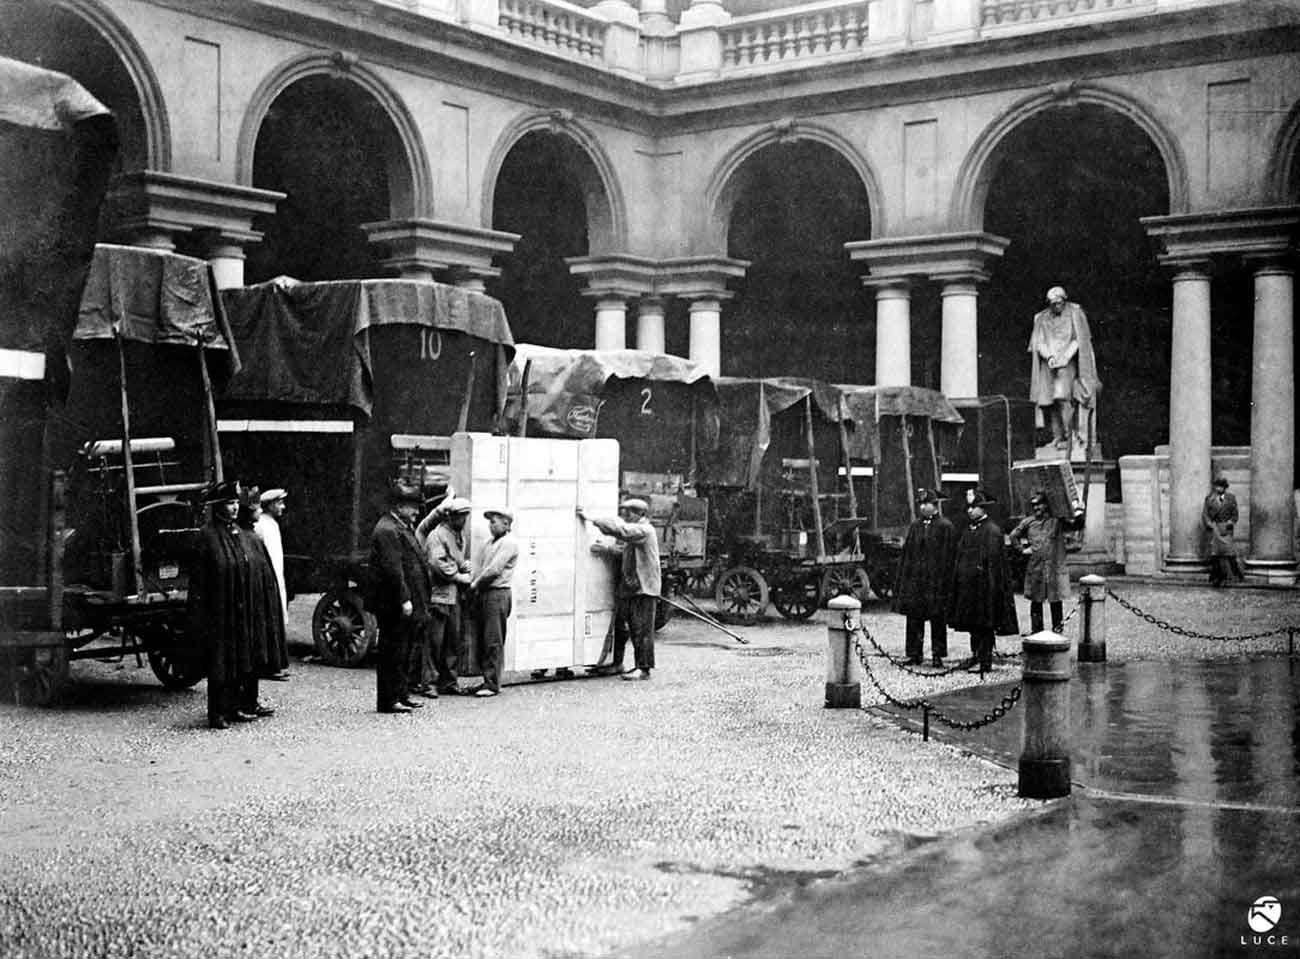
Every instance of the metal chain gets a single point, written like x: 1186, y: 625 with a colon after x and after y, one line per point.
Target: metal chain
x: 1007, y: 703
x: 1191, y: 633
x: 853, y: 626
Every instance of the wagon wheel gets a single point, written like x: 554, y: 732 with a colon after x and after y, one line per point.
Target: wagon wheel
x: 741, y: 594
x: 176, y: 662
x: 846, y: 581
x: 798, y: 597
x: 702, y: 581
x: 664, y: 612
x: 342, y: 629
x: 882, y: 580
x: 38, y: 674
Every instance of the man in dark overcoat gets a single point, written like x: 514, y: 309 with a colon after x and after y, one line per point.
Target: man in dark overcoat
x: 226, y: 609
x: 1219, y: 517
x: 982, y: 602
x: 399, y: 596
x: 924, y: 578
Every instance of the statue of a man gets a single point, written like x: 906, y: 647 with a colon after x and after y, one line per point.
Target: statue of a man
x: 1063, y: 377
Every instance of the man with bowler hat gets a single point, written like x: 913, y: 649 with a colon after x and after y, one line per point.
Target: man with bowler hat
x: 982, y: 602
x: 924, y: 577
x: 399, y: 595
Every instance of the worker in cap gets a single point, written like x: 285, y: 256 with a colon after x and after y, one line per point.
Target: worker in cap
x: 924, y: 579
x: 267, y: 527
x: 1042, y: 538
x: 398, y: 596
x: 492, y: 586
x: 982, y: 602
x: 435, y: 660
x: 1219, y: 517
x: 639, y: 581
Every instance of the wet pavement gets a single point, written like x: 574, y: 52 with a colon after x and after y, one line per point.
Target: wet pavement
x: 1185, y: 812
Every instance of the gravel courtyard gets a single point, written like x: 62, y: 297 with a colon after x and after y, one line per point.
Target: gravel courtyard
x: 576, y: 818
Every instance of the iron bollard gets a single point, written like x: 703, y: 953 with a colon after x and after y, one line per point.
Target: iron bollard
x: 1092, y: 624
x: 1045, y: 758
x: 843, y: 674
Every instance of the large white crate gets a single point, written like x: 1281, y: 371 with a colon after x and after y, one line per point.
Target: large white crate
x: 563, y: 593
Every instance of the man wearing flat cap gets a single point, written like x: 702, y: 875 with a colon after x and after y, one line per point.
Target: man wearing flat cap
x: 399, y: 595
x: 1219, y: 517
x: 924, y: 577
x: 1041, y: 537
x: 267, y: 526
x: 1063, y: 379
x: 492, y: 585
x: 982, y: 602
x: 449, y: 572
x: 639, y: 583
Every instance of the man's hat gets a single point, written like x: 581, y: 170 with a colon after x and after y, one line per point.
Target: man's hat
x: 978, y: 496
x: 504, y: 512
x: 1221, y: 480
x: 224, y: 492
x: 250, y: 496
x: 399, y: 492
x: 456, y: 506
x: 633, y: 503
x: 271, y: 495
x: 1037, y: 497
x: 924, y: 495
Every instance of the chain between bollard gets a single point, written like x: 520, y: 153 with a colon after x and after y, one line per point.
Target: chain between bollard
x: 1191, y: 633
x: 1007, y: 703
x: 853, y: 626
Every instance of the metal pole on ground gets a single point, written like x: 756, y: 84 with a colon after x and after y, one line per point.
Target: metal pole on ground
x: 1045, y: 757
x: 1092, y: 627
x: 843, y: 674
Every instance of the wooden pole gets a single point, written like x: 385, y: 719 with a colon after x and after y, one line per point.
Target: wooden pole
x: 848, y: 479
x: 813, y: 489
x: 210, y: 411
x: 128, y: 468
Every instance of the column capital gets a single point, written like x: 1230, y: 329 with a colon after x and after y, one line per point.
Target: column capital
x: 963, y: 257
x: 698, y: 277
x: 419, y: 246
x: 889, y: 288
x: 1259, y: 231
x: 614, y: 274
x: 151, y: 203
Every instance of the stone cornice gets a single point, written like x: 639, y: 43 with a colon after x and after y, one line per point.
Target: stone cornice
x: 635, y: 276
x: 940, y: 256
x: 1189, y: 239
x: 150, y: 200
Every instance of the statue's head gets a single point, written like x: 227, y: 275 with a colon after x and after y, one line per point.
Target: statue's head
x: 1056, y: 298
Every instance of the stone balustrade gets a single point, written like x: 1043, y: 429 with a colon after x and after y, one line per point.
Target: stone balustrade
x: 564, y: 28
x: 994, y: 13
x: 796, y: 33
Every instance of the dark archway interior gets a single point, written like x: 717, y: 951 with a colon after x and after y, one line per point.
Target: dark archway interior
x: 57, y: 39
x: 801, y: 309
x: 1069, y: 190
x: 539, y: 195
x: 323, y: 142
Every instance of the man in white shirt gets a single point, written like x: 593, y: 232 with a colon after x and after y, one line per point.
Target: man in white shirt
x: 267, y: 528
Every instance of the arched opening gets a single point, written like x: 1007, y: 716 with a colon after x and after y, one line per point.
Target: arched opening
x: 541, y: 193
x: 336, y: 154
x: 800, y: 309
x: 59, y: 39
x: 1069, y: 188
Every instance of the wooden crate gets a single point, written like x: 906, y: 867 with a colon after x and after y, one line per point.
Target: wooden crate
x: 1055, y: 478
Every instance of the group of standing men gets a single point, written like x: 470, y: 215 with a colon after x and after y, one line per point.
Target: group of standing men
x: 236, y: 599
x: 420, y: 582
x: 962, y: 578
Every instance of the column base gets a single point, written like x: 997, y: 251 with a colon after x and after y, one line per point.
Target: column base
x: 843, y: 695
x: 1186, y: 566
x: 1280, y: 572
x: 1044, y: 778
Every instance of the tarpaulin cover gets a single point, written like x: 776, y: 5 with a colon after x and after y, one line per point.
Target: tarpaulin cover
x: 57, y: 145
x: 746, y: 407
x: 867, y: 405
x: 308, y: 342
x: 152, y: 296
x: 567, y: 388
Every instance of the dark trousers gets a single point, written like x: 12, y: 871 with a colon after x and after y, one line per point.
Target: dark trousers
x: 417, y: 656
x: 442, y: 646
x: 226, y: 698
x: 981, y: 646
x: 1221, y: 567
x: 1036, y: 616
x: 494, y: 611
x: 395, y: 637
x: 916, y: 636
x: 634, y: 619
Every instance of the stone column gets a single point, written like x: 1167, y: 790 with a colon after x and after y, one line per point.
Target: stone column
x: 227, y: 261
x: 650, y: 324
x: 1189, y: 415
x: 1272, y: 425
x: 893, y: 333
x: 611, y: 323
x: 959, y: 353
x: 706, y: 334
